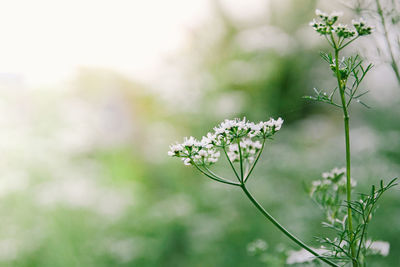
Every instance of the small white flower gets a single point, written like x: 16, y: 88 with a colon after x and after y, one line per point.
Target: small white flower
x: 361, y: 27
x: 353, y: 182
x: 313, y: 23
x: 191, y: 141
x: 207, y: 142
x: 326, y: 175
x: 278, y: 124
x: 335, y: 172
x: 255, y: 127
x: 175, y: 150
x: 316, y: 183
x: 186, y: 161
x: 202, y: 153
x: 266, y: 129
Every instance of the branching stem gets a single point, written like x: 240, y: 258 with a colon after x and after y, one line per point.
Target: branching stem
x: 283, y: 229
x: 269, y: 217
x: 255, y: 162
x: 221, y: 180
x: 230, y: 163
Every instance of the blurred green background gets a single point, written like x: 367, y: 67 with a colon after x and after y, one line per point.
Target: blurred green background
x: 85, y: 179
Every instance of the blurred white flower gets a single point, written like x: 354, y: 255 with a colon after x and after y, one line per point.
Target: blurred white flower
x: 378, y: 247
x: 302, y: 256
x: 257, y: 246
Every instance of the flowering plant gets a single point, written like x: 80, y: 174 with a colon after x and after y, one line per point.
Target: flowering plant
x: 240, y: 140
x: 348, y: 218
x: 242, y: 143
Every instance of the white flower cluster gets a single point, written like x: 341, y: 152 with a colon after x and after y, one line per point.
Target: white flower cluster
x: 248, y: 147
x: 336, y: 179
x: 224, y: 135
x: 265, y: 129
x: 343, y: 31
x: 326, y: 26
x: 192, y: 150
x: 361, y: 27
x: 228, y: 130
x: 334, y: 173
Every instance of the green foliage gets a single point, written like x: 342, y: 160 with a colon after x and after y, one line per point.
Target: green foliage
x: 351, y: 73
x: 347, y: 217
x: 329, y: 195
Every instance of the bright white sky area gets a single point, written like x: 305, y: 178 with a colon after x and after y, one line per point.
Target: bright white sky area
x: 45, y: 41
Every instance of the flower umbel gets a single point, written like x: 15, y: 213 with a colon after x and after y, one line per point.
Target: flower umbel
x: 337, y: 34
x: 361, y: 27
x: 242, y: 142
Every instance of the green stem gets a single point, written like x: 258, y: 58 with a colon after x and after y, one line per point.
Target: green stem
x: 349, y: 42
x: 221, y: 180
x: 230, y: 163
x: 283, y: 230
x: 342, y: 87
x: 362, y: 237
x: 215, y: 175
x: 255, y: 162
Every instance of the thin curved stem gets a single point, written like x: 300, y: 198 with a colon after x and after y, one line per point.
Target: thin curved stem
x: 221, y: 180
x: 283, y: 229
x: 346, y: 44
x: 255, y: 162
x: 230, y: 163
x: 362, y: 238
x: 214, y: 174
x: 340, y: 41
x: 328, y: 40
